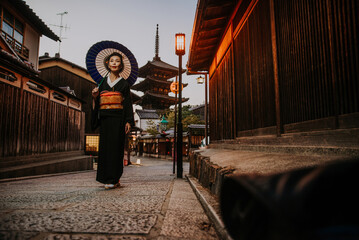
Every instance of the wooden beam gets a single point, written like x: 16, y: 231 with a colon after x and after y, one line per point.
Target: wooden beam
x: 275, y: 70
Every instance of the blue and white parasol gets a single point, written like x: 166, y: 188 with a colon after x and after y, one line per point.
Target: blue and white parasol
x: 95, y: 61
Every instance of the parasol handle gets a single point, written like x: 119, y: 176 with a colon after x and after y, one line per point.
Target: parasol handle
x: 103, y: 79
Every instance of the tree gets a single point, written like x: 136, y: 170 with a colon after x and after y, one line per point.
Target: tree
x: 152, y: 128
x: 187, y: 118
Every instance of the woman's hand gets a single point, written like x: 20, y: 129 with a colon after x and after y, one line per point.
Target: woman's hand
x: 95, y: 92
x: 127, y: 128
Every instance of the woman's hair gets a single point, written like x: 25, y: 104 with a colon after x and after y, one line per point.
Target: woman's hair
x: 107, y: 60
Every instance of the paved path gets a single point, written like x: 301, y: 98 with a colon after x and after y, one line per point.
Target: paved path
x: 151, y: 204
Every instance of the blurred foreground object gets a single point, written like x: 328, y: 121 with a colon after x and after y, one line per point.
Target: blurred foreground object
x: 319, y: 203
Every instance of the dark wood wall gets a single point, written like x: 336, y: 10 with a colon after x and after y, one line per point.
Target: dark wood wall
x: 31, y: 124
x: 318, y: 58
x: 306, y: 50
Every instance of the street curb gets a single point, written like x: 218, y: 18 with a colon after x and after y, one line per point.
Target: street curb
x: 209, y: 210
x: 41, y: 176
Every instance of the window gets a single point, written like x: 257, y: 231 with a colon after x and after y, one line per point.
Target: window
x: 58, y: 96
x: 13, y: 31
x: 7, y: 75
x: 36, y: 87
x: 7, y: 28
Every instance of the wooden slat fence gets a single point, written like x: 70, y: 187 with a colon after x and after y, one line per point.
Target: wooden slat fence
x: 31, y: 124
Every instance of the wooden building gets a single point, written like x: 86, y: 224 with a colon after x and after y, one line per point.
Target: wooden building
x: 35, y: 116
x: 63, y: 73
x: 278, y: 66
x: 161, y: 145
x: 155, y: 84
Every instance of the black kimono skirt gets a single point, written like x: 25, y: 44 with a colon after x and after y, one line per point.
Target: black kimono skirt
x: 112, y: 133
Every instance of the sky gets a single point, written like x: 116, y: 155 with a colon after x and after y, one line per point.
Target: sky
x: 129, y: 22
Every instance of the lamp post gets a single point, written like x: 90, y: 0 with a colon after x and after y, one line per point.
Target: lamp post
x: 175, y: 135
x: 180, y: 51
x: 201, y: 80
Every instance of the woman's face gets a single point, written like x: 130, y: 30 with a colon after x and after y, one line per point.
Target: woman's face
x: 115, y: 64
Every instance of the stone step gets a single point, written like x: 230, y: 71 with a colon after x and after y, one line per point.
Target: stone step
x: 328, y: 138
x: 290, y: 149
x: 59, y: 165
x: 21, y: 160
x: 210, y: 166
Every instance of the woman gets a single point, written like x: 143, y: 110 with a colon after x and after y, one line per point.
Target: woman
x: 113, y: 113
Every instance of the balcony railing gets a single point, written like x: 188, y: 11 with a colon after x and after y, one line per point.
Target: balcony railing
x: 17, y: 46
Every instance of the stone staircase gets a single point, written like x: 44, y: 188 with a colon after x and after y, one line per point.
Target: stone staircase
x: 49, y: 163
x: 267, y: 155
x: 331, y: 142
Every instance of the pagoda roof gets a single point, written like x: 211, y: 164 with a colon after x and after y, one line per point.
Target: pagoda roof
x: 165, y: 100
x: 134, y: 97
x: 149, y: 82
x: 158, y: 64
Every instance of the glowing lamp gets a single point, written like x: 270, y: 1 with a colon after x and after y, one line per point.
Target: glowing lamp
x: 180, y: 44
x: 200, y: 80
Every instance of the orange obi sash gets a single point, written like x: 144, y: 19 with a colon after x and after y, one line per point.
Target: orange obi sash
x: 111, y: 100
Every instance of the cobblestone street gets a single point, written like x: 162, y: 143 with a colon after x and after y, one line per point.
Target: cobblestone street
x: 150, y: 204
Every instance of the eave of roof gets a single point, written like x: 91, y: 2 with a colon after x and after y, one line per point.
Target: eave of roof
x: 27, y: 12
x: 49, y: 59
x: 16, y: 63
x: 147, y: 114
x: 148, y: 81
x: 210, y: 22
x: 134, y: 96
x: 158, y: 64
x: 8, y: 60
x: 160, y: 97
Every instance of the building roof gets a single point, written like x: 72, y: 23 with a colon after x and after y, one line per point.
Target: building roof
x: 46, y: 61
x: 210, y: 23
x: 147, y: 114
x: 28, y: 13
x: 197, y: 107
x: 158, y: 64
x: 47, y: 58
x: 10, y: 61
x: 197, y: 126
x: 134, y: 97
x: 15, y: 62
x: 159, y: 100
x: 149, y: 83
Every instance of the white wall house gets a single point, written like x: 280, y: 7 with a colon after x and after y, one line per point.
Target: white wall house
x: 143, y: 116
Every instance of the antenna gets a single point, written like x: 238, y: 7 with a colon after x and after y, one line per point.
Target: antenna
x: 61, y: 27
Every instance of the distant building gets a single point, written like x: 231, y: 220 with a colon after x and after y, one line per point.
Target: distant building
x: 199, y: 111
x: 142, y: 118
x: 156, y: 85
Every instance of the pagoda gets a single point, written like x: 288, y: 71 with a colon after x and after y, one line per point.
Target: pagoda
x: 155, y: 84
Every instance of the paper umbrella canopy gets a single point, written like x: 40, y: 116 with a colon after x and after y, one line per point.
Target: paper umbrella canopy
x: 95, y: 61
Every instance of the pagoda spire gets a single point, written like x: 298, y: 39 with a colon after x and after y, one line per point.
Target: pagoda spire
x: 157, y: 45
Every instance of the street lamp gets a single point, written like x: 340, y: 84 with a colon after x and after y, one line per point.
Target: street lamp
x: 180, y: 51
x: 200, y: 80
x: 163, y: 124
